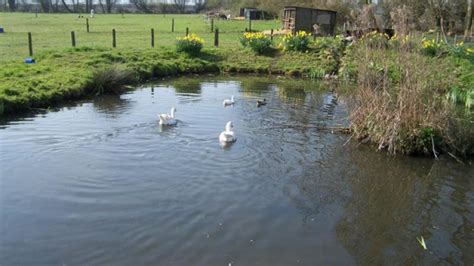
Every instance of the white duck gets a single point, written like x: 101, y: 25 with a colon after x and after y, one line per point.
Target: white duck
x: 168, y: 119
x: 227, y: 136
x: 229, y: 101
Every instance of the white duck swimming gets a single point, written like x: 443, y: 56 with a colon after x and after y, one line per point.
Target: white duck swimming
x: 229, y: 101
x: 168, y: 119
x: 227, y: 136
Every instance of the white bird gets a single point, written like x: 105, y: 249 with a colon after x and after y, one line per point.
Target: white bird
x: 168, y: 119
x: 229, y: 101
x: 227, y: 136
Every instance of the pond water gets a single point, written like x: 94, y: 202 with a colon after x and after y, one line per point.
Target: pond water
x: 100, y: 183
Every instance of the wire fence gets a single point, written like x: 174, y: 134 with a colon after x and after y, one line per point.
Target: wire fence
x: 19, y: 44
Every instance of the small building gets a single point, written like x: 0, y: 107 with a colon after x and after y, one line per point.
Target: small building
x: 253, y: 13
x: 303, y: 18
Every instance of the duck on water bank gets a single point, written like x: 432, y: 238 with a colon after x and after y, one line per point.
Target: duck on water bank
x: 168, y: 119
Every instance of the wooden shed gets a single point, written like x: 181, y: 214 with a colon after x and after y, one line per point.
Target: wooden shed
x: 302, y: 18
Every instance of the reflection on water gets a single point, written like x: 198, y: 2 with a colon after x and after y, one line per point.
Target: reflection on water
x: 111, y: 104
x: 101, y: 183
x: 395, y: 200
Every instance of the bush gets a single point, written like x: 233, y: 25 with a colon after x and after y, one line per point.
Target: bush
x: 190, y: 44
x: 257, y: 42
x: 298, y: 42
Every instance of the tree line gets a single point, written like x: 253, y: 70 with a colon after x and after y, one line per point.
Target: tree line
x: 104, y: 6
x: 449, y: 15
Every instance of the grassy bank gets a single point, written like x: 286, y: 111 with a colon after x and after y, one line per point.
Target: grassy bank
x: 71, y: 73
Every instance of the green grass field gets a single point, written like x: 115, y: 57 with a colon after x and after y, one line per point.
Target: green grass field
x: 53, y: 31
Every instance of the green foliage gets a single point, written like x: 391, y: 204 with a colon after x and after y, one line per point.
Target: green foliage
x: 425, y: 140
x: 317, y: 73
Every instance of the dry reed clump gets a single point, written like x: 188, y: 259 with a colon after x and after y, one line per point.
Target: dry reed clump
x: 399, y: 102
x: 404, y: 117
x: 111, y: 79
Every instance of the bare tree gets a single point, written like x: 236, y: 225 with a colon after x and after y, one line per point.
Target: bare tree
x: 109, y: 5
x: 66, y: 6
x: 468, y: 24
x: 45, y: 5
x: 180, y: 5
x: 102, y: 6
x: 12, y: 5
x: 141, y: 5
x: 199, y: 5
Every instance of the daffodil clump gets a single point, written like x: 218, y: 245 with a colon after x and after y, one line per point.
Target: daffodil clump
x: 257, y: 42
x: 405, y: 41
x: 376, y: 39
x: 191, y: 44
x: 431, y: 47
x: 460, y: 50
x: 296, y: 42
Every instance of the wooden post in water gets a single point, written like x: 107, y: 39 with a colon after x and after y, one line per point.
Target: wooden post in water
x: 73, y: 39
x: 30, y: 44
x: 216, y: 38
x: 87, y: 24
x: 187, y: 31
x: 172, y: 25
x: 212, y: 24
x: 114, y: 42
x: 271, y: 34
x: 152, y: 37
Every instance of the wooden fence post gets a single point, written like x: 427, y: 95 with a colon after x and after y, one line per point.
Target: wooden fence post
x: 152, y: 37
x: 271, y: 34
x: 87, y: 24
x: 73, y: 39
x: 187, y: 31
x: 250, y: 24
x: 114, y: 42
x: 216, y: 37
x: 30, y: 44
x: 172, y: 25
x: 212, y: 24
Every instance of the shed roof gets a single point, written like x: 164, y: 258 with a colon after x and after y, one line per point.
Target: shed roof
x: 319, y: 9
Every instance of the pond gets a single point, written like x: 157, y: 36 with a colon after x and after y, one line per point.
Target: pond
x: 99, y: 182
